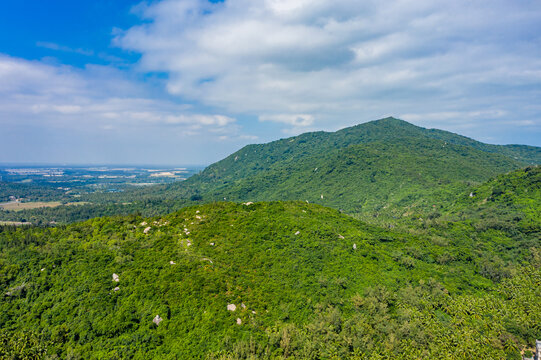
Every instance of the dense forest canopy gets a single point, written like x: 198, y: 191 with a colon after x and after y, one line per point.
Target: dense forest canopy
x: 367, y: 243
x: 306, y: 282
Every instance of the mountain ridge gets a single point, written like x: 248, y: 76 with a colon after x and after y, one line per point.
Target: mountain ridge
x: 404, y: 165
x: 259, y: 172
x: 387, y: 129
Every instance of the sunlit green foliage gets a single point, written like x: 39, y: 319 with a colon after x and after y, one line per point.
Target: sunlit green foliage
x: 300, y: 288
x: 442, y: 266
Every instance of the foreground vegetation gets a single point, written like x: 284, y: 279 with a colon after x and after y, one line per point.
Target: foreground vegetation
x: 306, y: 281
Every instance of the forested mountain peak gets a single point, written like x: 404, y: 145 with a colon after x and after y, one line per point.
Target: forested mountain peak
x: 368, y: 167
x: 259, y: 157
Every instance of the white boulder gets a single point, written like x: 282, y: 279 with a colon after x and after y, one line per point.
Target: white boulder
x: 157, y: 320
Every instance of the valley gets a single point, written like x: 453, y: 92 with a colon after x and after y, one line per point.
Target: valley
x: 39, y: 187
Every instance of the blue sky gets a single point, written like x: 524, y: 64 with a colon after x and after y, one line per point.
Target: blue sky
x: 189, y: 81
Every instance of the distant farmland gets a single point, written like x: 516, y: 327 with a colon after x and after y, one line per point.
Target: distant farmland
x: 14, y: 223
x: 16, y: 206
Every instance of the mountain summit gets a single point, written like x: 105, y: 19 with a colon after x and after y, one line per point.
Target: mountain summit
x: 366, y: 167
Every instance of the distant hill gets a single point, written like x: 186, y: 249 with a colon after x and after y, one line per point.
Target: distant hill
x: 369, y: 167
x: 373, y: 169
x: 253, y: 159
x: 266, y: 280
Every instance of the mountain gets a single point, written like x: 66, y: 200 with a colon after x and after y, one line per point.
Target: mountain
x: 266, y: 280
x: 253, y: 159
x: 368, y: 168
x: 383, y: 168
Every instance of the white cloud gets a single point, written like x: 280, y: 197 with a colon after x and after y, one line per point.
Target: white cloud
x: 209, y: 72
x: 200, y: 119
x: 298, y: 120
x: 346, y: 61
x: 32, y: 92
x: 57, y: 47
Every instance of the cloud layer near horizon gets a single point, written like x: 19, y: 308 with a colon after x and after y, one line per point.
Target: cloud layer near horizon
x: 459, y: 65
x: 98, y: 96
x: 97, y: 114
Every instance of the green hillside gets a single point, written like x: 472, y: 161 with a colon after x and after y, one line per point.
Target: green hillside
x: 510, y: 202
x: 380, y: 168
x: 370, y: 178
x: 306, y: 281
x: 502, y: 215
x: 254, y: 159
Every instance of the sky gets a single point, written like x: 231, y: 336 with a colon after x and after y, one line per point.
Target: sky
x: 184, y: 82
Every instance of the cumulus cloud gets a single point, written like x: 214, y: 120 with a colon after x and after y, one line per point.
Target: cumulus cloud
x: 339, y: 62
x: 97, y: 97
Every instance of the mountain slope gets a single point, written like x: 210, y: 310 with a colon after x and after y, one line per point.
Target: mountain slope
x: 306, y: 282
x: 502, y: 215
x: 253, y: 159
x: 386, y: 164
x: 369, y: 177
x: 507, y: 202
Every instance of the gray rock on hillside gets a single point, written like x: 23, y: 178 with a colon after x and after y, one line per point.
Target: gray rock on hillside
x: 157, y: 320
